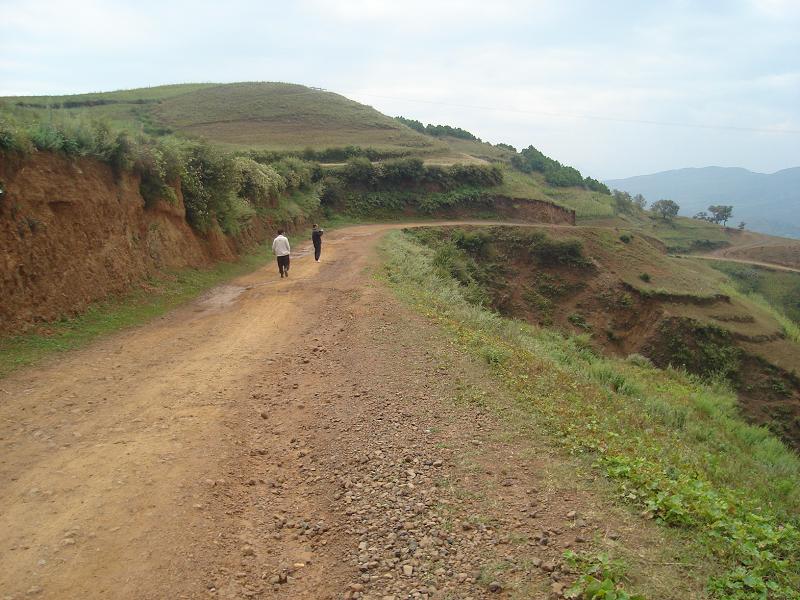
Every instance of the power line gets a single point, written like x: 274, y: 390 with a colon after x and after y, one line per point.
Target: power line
x: 562, y: 115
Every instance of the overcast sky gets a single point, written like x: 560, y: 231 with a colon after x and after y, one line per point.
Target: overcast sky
x: 615, y: 88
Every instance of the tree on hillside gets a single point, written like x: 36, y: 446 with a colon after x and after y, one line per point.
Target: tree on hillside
x: 702, y: 216
x: 666, y: 209
x: 623, y: 203
x: 505, y: 146
x: 413, y: 123
x: 742, y: 225
x: 640, y: 201
x: 720, y: 213
x: 596, y: 185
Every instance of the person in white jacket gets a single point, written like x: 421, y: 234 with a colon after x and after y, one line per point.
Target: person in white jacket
x: 280, y: 246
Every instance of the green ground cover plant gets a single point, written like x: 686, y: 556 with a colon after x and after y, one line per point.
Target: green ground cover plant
x: 674, y: 444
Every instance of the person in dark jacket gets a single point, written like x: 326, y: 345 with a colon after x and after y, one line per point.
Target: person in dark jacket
x: 316, y: 239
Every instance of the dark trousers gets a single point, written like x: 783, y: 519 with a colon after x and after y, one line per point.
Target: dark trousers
x: 317, y: 249
x: 283, y: 265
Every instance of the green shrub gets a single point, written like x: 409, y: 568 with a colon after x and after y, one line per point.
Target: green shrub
x: 13, y: 138
x: 234, y: 213
x: 626, y: 238
x: 46, y: 137
x: 260, y: 184
x: 297, y: 173
x: 402, y: 170
x: 208, y: 184
x: 530, y: 159
x: 333, y: 191
x: 596, y: 186
x: 554, y: 251
x: 360, y: 171
x: 474, y: 242
x: 645, y: 277
x: 600, y: 578
x: 476, y: 175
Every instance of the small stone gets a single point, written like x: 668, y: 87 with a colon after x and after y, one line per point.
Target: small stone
x: 248, y: 551
x: 264, y: 414
x: 495, y: 586
x: 558, y: 588
x: 408, y: 570
x: 571, y: 514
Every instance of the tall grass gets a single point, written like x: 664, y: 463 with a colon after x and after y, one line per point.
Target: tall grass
x: 789, y: 327
x: 675, y: 445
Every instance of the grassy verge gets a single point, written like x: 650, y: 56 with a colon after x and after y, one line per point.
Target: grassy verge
x: 789, y: 327
x: 674, y: 446
x: 780, y: 288
x: 154, y: 298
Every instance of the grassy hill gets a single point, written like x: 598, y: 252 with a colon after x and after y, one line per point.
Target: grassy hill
x: 282, y: 117
x: 270, y: 116
x: 288, y: 118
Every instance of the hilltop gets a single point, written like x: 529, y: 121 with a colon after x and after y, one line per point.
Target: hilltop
x: 766, y: 202
x: 251, y: 115
x: 270, y: 120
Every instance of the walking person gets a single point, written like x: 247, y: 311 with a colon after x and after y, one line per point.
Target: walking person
x: 281, y: 249
x: 316, y: 239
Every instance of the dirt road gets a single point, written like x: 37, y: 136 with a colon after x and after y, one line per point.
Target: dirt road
x: 280, y: 438
x: 743, y: 261
x: 764, y: 251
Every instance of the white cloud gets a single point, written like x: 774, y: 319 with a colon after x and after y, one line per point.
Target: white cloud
x: 779, y: 9
x: 427, y: 14
x: 80, y: 24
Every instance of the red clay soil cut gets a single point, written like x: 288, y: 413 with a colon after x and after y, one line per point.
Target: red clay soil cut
x: 72, y: 233
x: 285, y: 439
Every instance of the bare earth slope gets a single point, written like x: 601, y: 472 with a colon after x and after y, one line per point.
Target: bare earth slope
x: 287, y: 439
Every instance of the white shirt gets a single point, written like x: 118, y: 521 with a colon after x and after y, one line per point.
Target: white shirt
x: 280, y: 246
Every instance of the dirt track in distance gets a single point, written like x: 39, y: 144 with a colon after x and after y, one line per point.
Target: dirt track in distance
x: 282, y: 438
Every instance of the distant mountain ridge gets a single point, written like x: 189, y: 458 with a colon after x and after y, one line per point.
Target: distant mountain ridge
x: 769, y: 203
